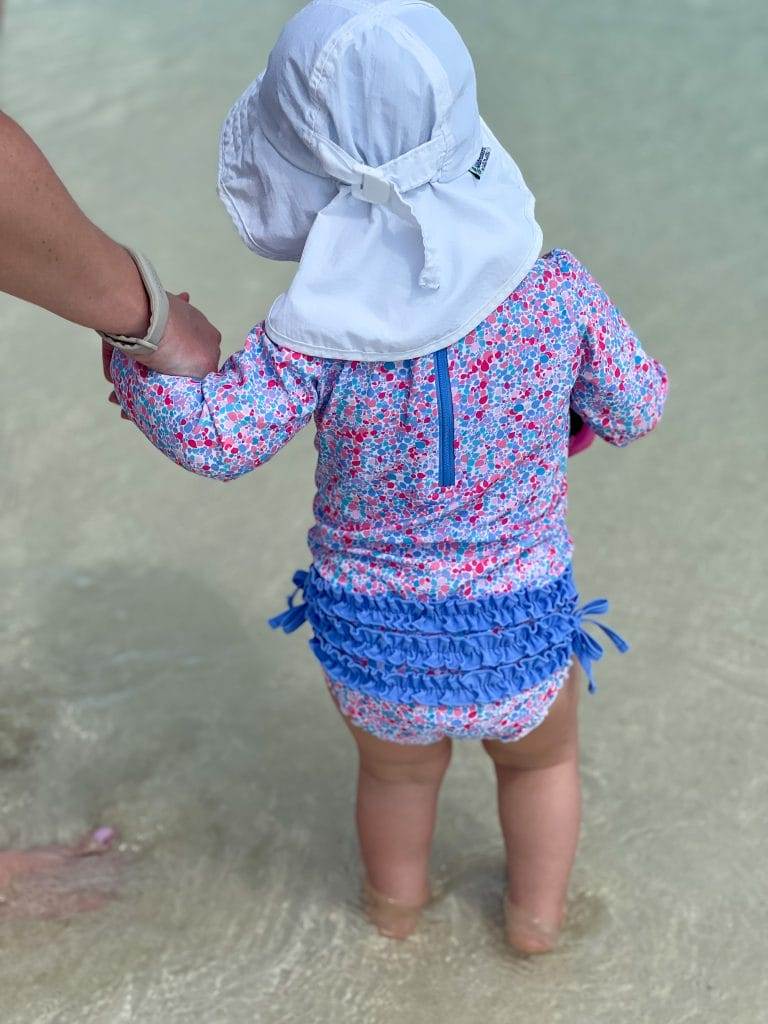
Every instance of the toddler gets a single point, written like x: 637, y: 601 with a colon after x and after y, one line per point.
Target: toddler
x: 443, y: 359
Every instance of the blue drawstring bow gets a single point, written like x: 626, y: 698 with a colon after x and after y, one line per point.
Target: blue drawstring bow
x: 292, y: 617
x: 585, y: 647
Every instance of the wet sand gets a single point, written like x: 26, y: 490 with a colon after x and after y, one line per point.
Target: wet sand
x: 139, y: 683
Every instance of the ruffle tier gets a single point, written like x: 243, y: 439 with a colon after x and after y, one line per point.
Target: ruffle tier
x: 452, y: 651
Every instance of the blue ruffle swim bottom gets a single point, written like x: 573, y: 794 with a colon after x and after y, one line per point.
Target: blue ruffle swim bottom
x: 452, y: 653
x: 505, y: 719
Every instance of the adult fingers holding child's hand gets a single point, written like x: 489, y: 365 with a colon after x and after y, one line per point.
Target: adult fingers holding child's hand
x: 191, y: 345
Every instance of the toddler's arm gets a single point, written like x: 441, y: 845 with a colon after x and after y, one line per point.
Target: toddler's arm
x: 620, y: 391
x: 231, y: 421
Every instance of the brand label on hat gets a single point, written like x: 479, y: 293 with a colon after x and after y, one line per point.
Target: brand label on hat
x: 478, y: 166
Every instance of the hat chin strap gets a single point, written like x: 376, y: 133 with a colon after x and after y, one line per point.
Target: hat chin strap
x: 384, y: 186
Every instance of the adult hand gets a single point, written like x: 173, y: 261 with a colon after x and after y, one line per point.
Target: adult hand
x: 190, y: 347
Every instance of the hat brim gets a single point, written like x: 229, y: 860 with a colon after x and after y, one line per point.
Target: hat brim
x: 272, y: 202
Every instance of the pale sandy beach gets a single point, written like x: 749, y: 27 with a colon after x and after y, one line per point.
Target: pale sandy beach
x: 139, y: 683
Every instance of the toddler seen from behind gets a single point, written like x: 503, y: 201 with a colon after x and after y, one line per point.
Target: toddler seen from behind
x: 441, y: 357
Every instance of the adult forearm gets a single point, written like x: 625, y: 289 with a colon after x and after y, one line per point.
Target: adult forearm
x: 52, y: 255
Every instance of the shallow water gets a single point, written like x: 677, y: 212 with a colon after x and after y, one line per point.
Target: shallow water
x: 140, y: 686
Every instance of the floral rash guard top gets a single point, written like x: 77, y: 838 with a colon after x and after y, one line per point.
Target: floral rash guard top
x: 438, y: 476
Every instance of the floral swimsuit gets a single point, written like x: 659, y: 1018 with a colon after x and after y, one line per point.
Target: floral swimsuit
x: 440, y: 591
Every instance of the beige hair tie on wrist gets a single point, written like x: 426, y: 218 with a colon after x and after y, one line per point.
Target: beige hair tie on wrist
x: 158, y: 305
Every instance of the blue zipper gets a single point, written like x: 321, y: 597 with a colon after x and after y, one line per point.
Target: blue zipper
x: 447, y: 465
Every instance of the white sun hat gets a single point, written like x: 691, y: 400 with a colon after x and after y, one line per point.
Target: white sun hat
x: 360, y: 152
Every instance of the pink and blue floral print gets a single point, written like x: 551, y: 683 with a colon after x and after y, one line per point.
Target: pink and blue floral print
x: 441, y: 482
x: 506, y: 719
x: 383, y: 524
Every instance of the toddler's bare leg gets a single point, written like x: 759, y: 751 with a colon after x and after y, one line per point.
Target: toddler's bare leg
x: 397, y: 791
x: 539, y: 799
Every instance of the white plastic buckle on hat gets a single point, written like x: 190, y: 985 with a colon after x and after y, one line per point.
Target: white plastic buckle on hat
x: 374, y: 188
x: 384, y: 186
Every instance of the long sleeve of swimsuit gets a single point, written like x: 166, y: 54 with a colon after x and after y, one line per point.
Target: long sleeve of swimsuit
x: 230, y: 422
x: 620, y: 390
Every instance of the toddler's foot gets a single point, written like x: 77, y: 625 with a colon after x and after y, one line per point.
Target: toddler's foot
x: 49, y: 881
x: 528, y: 933
x: 394, y: 918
